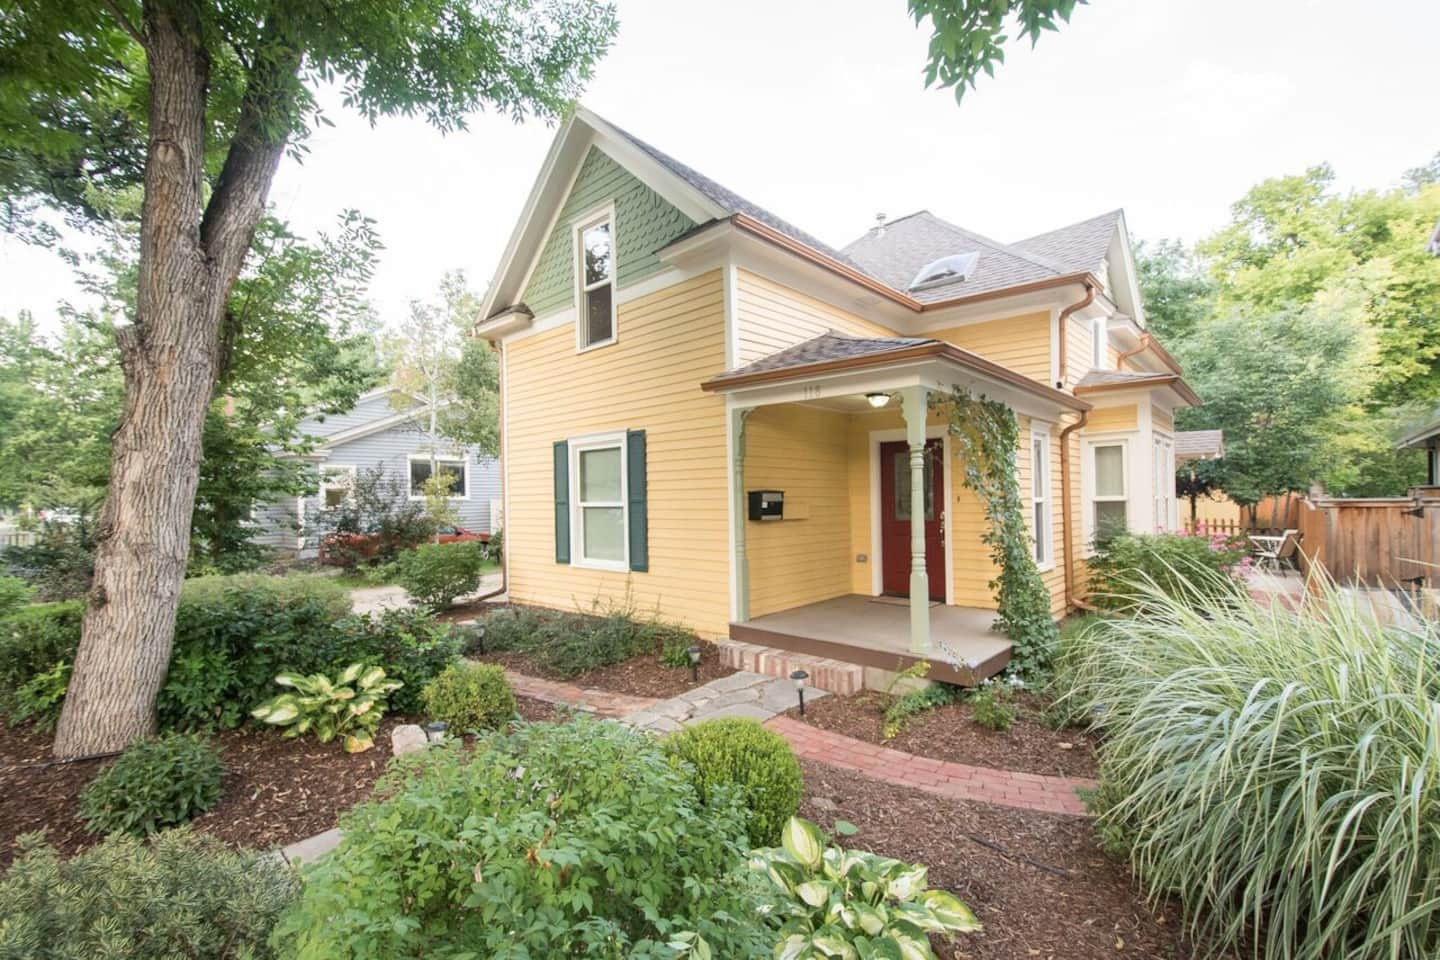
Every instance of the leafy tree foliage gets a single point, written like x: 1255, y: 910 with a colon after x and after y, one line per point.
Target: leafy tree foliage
x: 1178, y: 292
x: 969, y: 36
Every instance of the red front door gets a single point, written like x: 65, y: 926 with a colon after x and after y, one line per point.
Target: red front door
x: 895, y: 518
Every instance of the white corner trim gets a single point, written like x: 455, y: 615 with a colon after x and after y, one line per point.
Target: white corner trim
x: 732, y: 314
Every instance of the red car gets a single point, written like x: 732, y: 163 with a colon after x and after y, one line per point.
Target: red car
x: 366, y: 545
x: 452, y: 534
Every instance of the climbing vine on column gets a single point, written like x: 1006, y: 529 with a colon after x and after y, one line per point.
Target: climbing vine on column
x: 987, y: 440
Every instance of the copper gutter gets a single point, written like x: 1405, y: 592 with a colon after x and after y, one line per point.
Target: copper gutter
x: 930, y: 349
x: 1065, y: 520
x: 1147, y: 381
x: 1148, y: 342
x: 1064, y: 352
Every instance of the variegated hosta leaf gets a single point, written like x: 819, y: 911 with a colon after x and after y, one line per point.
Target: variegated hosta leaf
x: 907, y: 885
x: 912, y: 948
x: 950, y: 911
x: 792, y: 947
x: 358, y: 743
x: 361, y: 706
x: 348, y: 675
x: 343, y: 693
x: 372, y: 676
x: 289, y: 679
x: 833, y: 945
x: 815, y: 893
x: 802, y: 840
x: 869, y: 918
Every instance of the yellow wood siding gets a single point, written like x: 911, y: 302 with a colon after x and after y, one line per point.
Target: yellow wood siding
x: 1054, y: 574
x: 1079, y: 349
x: 649, y: 380
x: 1020, y: 343
x: 1160, y: 420
x: 806, y: 557
x: 1104, y: 419
x: 771, y: 317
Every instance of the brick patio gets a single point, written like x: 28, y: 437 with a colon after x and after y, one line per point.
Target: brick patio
x: 1007, y: 788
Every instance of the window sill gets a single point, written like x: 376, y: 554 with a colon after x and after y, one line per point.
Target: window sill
x: 1047, y: 567
x: 612, y: 566
x: 599, y: 344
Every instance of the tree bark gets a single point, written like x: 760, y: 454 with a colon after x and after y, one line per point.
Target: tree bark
x: 189, y: 260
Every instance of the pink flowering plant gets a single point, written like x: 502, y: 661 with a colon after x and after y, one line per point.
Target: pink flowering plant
x: 1201, y: 569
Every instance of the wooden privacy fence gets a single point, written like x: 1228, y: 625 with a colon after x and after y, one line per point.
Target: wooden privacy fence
x: 1383, y: 542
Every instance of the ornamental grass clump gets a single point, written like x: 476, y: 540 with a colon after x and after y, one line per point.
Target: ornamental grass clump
x: 1277, y: 771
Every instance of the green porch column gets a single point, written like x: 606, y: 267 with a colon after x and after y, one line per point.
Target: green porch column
x: 738, y: 511
x: 914, y: 407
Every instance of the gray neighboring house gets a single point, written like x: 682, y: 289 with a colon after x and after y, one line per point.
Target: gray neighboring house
x: 375, y: 433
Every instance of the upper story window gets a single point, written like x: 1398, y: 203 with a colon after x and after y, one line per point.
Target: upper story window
x: 1100, y: 344
x: 596, y: 275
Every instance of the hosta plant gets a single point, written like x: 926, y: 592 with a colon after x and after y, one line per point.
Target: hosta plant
x: 854, y: 905
x: 349, y: 707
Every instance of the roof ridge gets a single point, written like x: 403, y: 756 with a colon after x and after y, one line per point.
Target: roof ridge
x: 1118, y: 211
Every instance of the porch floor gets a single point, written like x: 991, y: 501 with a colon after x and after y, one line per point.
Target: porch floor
x: 875, y: 632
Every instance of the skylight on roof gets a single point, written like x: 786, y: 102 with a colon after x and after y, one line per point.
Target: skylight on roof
x: 957, y: 266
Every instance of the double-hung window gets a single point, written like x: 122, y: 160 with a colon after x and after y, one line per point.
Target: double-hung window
x: 1040, y: 495
x: 1109, y: 502
x: 454, y: 469
x: 337, y: 484
x: 596, y: 269
x: 598, y: 472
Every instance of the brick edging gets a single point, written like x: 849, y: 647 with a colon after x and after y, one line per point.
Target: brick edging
x: 601, y: 702
x: 1008, y: 788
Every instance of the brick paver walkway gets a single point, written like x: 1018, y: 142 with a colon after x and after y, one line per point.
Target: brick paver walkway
x: 1007, y: 788
x: 614, y: 705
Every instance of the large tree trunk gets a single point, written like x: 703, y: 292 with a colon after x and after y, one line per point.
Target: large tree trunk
x: 171, y: 356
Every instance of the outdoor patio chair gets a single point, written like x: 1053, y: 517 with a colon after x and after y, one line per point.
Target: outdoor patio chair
x: 1276, y: 550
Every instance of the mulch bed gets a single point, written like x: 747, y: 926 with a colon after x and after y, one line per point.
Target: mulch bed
x: 275, y: 791
x: 1038, y: 882
x: 950, y: 733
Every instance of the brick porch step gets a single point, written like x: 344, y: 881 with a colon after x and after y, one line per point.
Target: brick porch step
x: 835, y: 676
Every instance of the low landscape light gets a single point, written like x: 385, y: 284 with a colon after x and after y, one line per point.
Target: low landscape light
x: 800, y: 676
x: 694, y: 651
x: 877, y: 400
x: 435, y: 730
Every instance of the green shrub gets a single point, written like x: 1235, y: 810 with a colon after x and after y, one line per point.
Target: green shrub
x: 735, y: 752
x: 33, y: 640
x: 567, y: 645
x: 915, y: 702
x: 349, y: 707
x: 990, y: 706
x: 156, y: 783
x: 14, y: 594
x: 411, y: 645
x: 434, y: 574
x: 60, y: 564
x: 555, y: 840
x: 849, y: 903
x: 177, y: 895
x: 1274, y: 770
x: 1200, y: 569
x: 469, y: 697
x: 39, y: 700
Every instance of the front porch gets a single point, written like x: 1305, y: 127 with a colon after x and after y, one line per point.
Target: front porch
x: 875, y: 632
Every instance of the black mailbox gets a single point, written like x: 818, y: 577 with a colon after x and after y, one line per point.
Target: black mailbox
x: 767, y: 505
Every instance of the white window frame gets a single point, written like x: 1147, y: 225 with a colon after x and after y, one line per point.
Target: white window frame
x: 577, y: 446
x: 592, y: 218
x: 1163, y: 469
x: 1100, y: 344
x: 1093, y: 496
x: 439, y: 458
x: 326, y: 485
x: 1040, y: 496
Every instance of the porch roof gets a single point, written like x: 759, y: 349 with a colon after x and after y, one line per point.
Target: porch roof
x: 834, y: 353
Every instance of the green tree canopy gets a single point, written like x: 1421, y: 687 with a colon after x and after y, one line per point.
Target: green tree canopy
x: 968, y: 37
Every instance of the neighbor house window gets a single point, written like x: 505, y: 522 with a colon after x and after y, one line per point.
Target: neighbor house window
x: 456, y: 468
x: 1040, y: 495
x: 597, y: 281
x: 337, y: 484
x: 598, y: 473
x: 1109, y: 501
x: 1099, y: 344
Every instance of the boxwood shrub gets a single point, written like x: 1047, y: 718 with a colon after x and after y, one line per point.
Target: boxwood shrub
x: 556, y: 840
x: 470, y: 697
x: 737, y: 752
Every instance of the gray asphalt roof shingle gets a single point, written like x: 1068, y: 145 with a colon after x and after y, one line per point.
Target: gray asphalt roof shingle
x: 826, y: 347
x: 1080, y: 246
x: 1192, y: 444
x: 1110, y: 378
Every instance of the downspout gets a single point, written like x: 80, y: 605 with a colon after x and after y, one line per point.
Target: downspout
x: 1140, y: 347
x: 1061, y: 330
x: 495, y: 348
x: 1065, y: 519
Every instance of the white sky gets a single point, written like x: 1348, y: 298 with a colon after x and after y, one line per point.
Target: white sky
x: 815, y: 110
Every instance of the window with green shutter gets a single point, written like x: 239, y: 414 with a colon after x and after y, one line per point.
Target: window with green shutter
x: 601, y: 510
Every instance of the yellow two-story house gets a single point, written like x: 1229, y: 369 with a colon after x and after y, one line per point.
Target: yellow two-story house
x: 707, y: 408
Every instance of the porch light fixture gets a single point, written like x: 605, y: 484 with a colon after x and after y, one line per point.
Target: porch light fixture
x: 800, y: 676
x: 877, y: 400
x: 694, y: 651
x: 435, y: 731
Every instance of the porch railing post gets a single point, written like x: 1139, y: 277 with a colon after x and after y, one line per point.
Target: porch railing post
x: 742, y: 560
x: 914, y: 407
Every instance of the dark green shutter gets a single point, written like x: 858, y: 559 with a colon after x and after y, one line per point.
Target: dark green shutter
x: 639, y: 512
x: 562, y: 501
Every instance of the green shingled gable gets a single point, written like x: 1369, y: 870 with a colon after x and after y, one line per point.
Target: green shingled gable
x: 645, y: 222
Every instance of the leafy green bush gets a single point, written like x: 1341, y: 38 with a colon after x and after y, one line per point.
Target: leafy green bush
x: 411, y: 645
x: 848, y: 903
x: 469, y: 697
x: 350, y: 707
x: 915, y: 702
x: 434, y: 574
x: 156, y: 783
x: 555, y: 840
x: 735, y: 752
x: 990, y: 706
x: 1198, y: 568
x: 569, y: 644
x: 33, y: 640
x: 60, y: 564
x: 39, y: 700
x: 177, y: 895
x: 1274, y: 770
x: 14, y: 594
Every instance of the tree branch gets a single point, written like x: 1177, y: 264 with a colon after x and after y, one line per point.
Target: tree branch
x: 125, y: 22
